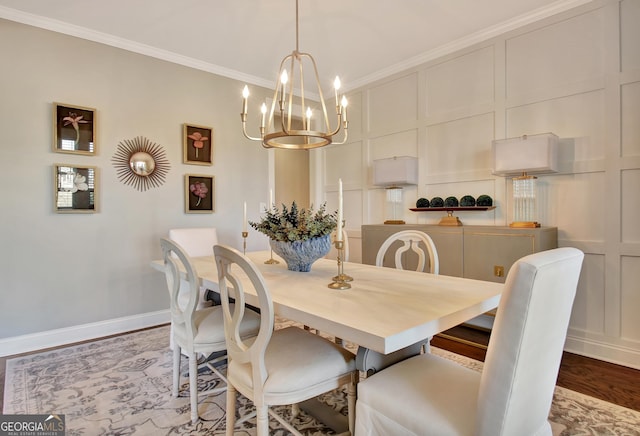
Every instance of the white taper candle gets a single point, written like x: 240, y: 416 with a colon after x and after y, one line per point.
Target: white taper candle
x: 339, y: 230
x: 244, y: 217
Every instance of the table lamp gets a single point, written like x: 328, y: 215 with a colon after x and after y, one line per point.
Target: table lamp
x: 393, y: 173
x: 520, y: 158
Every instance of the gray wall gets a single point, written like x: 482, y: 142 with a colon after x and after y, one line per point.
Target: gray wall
x: 63, y: 270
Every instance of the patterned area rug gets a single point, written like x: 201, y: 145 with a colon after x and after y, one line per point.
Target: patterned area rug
x: 122, y: 386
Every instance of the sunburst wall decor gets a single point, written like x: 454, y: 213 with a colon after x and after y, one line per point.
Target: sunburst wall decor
x: 140, y: 163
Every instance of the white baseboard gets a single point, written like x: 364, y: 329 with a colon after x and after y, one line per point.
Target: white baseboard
x: 69, y: 335
x: 611, y: 353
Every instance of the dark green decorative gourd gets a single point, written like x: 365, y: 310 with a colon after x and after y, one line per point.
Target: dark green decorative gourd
x: 451, y: 202
x: 467, y: 201
x: 484, y: 200
x: 422, y: 202
x: 437, y: 202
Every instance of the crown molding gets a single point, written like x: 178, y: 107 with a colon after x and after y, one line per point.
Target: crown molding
x: 470, y: 40
x: 446, y: 49
x: 125, y: 44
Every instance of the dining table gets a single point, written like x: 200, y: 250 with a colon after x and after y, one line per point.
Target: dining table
x: 384, y: 310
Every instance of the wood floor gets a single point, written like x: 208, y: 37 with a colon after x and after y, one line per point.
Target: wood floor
x: 614, y: 383
x: 606, y: 381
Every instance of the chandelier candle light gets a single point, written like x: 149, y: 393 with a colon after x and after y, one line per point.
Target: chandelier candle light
x: 312, y: 135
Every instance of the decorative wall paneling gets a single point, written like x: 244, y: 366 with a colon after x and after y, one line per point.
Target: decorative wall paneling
x: 577, y: 75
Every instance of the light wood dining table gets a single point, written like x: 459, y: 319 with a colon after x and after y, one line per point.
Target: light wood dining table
x: 385, y: 309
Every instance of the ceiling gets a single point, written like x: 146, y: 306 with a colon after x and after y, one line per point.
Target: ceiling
x: 360, y: 40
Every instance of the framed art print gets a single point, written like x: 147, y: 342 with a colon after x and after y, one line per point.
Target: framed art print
x: 197, y: 144
x: 75, y: 188
x: 199, y: 194
x: 74, y: 129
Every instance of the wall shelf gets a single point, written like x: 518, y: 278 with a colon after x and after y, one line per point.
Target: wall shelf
x: 450, y: 219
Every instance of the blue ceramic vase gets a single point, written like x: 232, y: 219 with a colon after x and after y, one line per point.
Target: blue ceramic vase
x: 299, y: 255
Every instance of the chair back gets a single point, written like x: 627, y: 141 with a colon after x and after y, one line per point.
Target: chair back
x: 527, y: 340
x: 197, y: 241
x: 333, y: 252
x: 232, y: 281
x: 411, y: 240
x: 176, y: 260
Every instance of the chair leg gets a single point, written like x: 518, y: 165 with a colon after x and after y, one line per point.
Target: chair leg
x: 262, y: 420
x: 351, y: 402
x: 176, y: 370
x: 231, y: 409
x: 193, y: 386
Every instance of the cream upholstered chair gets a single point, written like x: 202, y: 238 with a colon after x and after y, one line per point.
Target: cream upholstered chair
x: 411, y: 241
x: 285, y: 366
x: 197, y: 242
x: 427, y: 394
x: 195, y: 331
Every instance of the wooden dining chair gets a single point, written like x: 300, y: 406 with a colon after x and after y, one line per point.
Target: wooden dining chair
x: 196, y: 242
x: 413, y: 240
x: 195, y: 331
x: 427, y: 394
x: 285, y: 366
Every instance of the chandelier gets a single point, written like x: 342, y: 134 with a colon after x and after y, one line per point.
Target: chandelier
x: 298, y: 128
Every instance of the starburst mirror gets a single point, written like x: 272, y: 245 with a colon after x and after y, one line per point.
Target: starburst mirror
x: 140, y: 163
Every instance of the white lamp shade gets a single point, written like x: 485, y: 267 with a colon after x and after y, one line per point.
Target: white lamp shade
x: 531, y: 154
x: 395, y: 171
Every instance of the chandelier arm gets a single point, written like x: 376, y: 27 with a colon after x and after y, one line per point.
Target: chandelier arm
x: 346, y: 136
x: 297, y: 28
x: 305, y: 122
x: 324, y: 106
x: 244, y: 131
x: 287, y: 128
x: 337, y: 127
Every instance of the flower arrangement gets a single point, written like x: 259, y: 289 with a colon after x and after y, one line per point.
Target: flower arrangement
x: 296, y: 224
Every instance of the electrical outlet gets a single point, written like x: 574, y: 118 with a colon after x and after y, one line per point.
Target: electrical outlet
x: 498, y: 270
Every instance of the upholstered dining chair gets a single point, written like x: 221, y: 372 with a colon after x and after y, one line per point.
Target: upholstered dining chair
x: 513, y: 394
x: 285, y: 366
x: 195, y: 331
x: 197, y: 242
x: 411, y: 240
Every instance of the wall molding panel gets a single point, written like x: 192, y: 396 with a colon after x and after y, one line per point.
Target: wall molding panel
x: 575, y: 74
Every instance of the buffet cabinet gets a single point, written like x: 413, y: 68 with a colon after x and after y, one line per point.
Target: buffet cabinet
x: 475, y: 252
